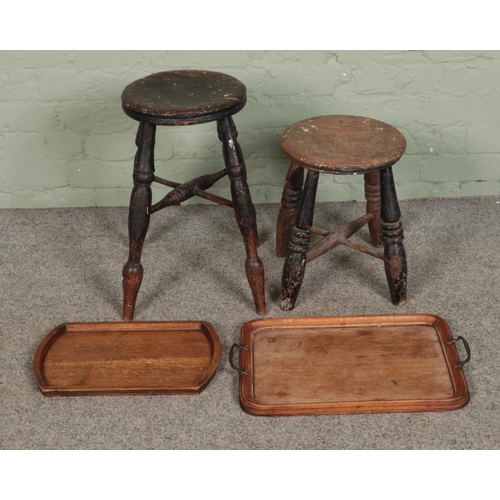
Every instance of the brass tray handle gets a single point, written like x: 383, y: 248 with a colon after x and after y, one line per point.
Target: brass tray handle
x: 467, y: 349
x: 241, y: 347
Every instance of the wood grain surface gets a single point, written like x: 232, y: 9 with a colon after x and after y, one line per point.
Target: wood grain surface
x: 300, y: 366
x: 337, y: 364
x: 113, y: 358
x: 342, y: 144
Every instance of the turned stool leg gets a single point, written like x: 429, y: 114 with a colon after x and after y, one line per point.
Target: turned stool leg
x: 372, y: 195
x: 139, y: 213
x: 244, y: 209
x: 289, y: 206
x: 300, y: 236
x: 392, y: 234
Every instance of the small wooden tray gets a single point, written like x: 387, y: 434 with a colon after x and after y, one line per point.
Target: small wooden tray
x: 357, y: 364
x: 125, y: 358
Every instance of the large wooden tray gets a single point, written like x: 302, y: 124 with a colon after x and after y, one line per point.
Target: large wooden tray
x: 357, y: 364
x: 125, y: 358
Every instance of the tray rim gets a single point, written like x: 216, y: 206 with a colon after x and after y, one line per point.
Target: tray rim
x: 457, y: 376
x: 51, y: 338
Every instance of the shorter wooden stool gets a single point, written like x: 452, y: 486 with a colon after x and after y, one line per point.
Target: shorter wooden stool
x: 343, y: 145
x: 178, y: 98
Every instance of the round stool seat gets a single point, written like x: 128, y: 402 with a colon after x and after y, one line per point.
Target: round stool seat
x: 183, y: 97
x: 343, y: 144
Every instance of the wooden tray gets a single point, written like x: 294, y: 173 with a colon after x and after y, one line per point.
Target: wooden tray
x: 357, y: 364
x: 84, y: 359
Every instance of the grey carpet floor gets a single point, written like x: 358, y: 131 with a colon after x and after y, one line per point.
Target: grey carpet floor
x: 64, y: 265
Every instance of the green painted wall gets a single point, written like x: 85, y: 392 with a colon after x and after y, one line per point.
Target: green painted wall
x: 64, y: 140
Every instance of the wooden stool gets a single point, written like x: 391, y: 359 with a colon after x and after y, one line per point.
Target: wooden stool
x: 176, y: 98
x: 344, y: 145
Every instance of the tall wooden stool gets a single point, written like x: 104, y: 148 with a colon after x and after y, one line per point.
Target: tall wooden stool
x: 343, y: 145
x: 178, y: 98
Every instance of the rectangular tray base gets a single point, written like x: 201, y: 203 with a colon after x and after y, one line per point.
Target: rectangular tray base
x: 304, y: 366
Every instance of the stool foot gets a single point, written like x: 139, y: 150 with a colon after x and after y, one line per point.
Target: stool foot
x: 255, y: 275
x: 298, y: 244
x: 132, y: 278
x: 396, y: 273
x: 372, y: 195
x: 244, y: 210
x: 289, y: 206
x: 139, y: 214
x: 293, y: 275
x: 392, y: 235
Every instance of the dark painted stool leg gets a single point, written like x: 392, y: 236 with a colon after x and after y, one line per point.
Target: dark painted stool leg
x: 298, y: 244
x: 232, y: 126
x: 139, y: 213
x: 392, y: 234
x: 244, y: 209
x: 372, y: 195
x: 289, y: 206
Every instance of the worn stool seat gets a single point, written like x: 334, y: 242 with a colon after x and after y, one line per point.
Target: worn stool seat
x: 344, y: 145
x: 176, y: 98
x: 192, y: 96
